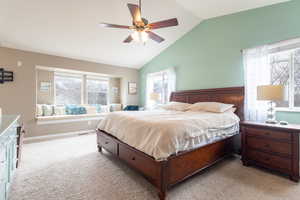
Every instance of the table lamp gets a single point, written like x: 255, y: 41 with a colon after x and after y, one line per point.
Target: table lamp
x: 270, y: 93
x: 154, y: 97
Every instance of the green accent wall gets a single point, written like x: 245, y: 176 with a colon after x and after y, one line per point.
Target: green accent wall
x: 210, y: 56
x: 291, y: 117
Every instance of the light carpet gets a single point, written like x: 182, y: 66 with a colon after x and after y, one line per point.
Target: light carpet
x: 72, y: 169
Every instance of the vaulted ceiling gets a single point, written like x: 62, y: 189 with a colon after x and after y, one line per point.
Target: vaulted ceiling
x: 70, y: 27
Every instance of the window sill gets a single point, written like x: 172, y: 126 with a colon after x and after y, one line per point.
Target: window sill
x: 288, y: 110
x: 68, y: 118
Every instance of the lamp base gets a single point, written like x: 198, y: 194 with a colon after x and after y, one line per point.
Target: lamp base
x: 271, y: 121
x: 283, y: 123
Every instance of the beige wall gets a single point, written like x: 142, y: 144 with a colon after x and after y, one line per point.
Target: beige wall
x: 44, y: 97
x: 114, y: 83
x: 19, y: 97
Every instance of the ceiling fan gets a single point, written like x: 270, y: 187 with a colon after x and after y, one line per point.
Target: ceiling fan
x: 142, y: 30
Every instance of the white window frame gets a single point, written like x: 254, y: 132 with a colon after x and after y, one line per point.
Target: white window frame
x: 84, y: 78
x: 170, y: 72
x: 291, y: 90
x: 64, y: 74
x: 88, y: 77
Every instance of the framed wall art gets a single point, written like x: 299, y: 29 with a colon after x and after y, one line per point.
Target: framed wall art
x: 132, y: 88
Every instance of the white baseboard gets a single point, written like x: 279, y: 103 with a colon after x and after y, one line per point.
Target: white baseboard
x: 57, y: 135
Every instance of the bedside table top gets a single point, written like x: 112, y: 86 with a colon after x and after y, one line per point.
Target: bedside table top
x: 290, y: 127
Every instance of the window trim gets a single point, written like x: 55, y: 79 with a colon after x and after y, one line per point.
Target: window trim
x: 98, y: 79
x: 84, y: 78
x: 291, y: 86
x: 162, y: 75
x: 72, y: 75
x: 282, y: 109
x: 170, y: 80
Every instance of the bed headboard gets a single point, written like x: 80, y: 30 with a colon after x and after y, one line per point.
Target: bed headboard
x: 233, y: 95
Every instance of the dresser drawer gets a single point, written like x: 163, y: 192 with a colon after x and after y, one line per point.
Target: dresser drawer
x: 271, y: 161
x: 107, y: 143
x: 269, y: 145
x: 269, y: 134
x: 145, y: 165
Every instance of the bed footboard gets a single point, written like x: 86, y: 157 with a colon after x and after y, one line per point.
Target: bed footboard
x: 165, y: 174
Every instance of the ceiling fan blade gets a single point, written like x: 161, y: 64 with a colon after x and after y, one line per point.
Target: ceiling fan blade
x: 128, y: 39
x: 135, y: 12
x: 164, y: 24
x: 113, y: 26
x: 155, y: 37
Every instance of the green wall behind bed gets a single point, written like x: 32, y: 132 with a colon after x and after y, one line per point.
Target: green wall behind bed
x: 210, y: 56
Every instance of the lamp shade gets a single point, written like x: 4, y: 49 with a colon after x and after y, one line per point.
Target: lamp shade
x: 154, y: 96
x: 270, y: 92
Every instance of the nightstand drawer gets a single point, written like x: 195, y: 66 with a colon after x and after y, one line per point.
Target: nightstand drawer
x: 269, y: 134
x: 272, y: 146
x: 270, y: 160
x: 269, y: 145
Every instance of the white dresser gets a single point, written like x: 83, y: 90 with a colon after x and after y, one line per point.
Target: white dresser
x: 8, y: 152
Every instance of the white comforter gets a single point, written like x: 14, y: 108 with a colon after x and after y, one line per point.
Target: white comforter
x: 163, y: 133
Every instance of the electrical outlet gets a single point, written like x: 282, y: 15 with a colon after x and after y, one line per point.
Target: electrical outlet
x: 89, y: 123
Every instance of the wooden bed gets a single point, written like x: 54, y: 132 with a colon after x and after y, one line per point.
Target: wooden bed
x: 165, y: 174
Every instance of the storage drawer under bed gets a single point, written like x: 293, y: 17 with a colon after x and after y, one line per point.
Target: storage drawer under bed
x: 107, y: 143
x: 144, y: 164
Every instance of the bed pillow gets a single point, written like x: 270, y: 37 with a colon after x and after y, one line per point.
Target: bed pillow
x: 231, y: 110
x: 215, y: 107
x: 176, y: 106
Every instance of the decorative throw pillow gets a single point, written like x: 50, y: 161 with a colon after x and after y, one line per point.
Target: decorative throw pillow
x: 90, y: 109
x: 39, y: 110
x: 48, y: 110
x: 176, y: 106
x: 210, y: 107
x: 105, y: 109
x: 59, y: 110
x: 115, y: 107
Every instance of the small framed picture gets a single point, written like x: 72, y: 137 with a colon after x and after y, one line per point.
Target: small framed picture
x: 45, y: 86
x: 132, y: 88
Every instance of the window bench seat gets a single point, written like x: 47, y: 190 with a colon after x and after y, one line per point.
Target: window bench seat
x: 68, y: 118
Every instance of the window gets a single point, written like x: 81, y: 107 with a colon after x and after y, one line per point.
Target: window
x: 67, y: 89
x: 276, y: 64
x: 80, y: 89
x: 79, y: 94
x: 61, y: 92
x: 97, y: 91
x: 159, y: 86
x: 285, y: 70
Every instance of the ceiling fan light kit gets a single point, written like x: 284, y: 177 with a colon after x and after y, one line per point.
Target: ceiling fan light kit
x: 142, y: 30
x: 140, y: 36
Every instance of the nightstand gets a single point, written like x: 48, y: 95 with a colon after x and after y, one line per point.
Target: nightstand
x: 274, y: 147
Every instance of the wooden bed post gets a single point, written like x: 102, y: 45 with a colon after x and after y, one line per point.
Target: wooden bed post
x: 162, y: 190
